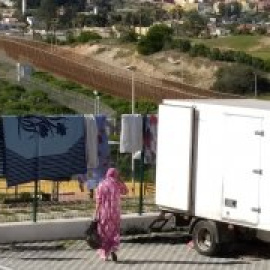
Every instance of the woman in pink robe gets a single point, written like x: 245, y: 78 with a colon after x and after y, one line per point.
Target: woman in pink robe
x: 108, y: 211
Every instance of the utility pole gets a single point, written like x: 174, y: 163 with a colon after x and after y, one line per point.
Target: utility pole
x: 182, y: 71
x: 255, y: 85
x: 97, y: 102
x: 24, y: 6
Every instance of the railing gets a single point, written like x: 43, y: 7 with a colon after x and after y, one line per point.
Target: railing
x: 65, y: 200
x: 60, y: 200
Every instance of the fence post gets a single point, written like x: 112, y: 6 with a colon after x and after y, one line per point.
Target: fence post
x: 35, y: 201
x: 142, y: 173
x: 141, y: 183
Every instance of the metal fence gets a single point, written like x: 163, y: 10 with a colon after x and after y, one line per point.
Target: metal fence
x: 45, y: 199
x: 76, y: 101
x: 107, y: 79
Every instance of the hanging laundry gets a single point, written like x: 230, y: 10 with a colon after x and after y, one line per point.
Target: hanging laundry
x: 99, y: 172
x: 40, y: 147
x: 131, y: 135
x: 91, y: 141
x: 2, y: 150
x: 150, y: 138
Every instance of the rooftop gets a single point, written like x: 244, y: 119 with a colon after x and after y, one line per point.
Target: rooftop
x: 243, y: 103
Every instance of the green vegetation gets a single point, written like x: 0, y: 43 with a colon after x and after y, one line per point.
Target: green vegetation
x: 243, y: 42
x: 129, y: 36
x: 216, y: 54
x: 14, y: 99
x: 121, y: 106
x: 263, y: 54
x: 251, y: 44
x: 87, y: 36
x: 155, y: 40
x: 239, y: 80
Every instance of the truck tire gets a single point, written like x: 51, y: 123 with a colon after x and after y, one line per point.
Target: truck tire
x: 205, y: 236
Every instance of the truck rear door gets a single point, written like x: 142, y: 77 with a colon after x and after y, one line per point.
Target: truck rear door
x: 242, y: 168
x: 174, y: 156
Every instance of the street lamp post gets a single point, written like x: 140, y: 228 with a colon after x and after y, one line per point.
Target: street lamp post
x: 97, y: 102
x: 132, y: 93
x: 255, y: 85
x: 24, y: 6
x: 182, y: 71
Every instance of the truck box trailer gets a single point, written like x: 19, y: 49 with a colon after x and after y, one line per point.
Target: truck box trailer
x: 213, y: 168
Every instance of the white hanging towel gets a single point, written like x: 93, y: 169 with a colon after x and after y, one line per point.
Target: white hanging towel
x: 91, y: 145
x: 131, y: 137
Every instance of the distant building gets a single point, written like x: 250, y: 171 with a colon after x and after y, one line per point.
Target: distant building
x: 7, y: 3
x: 218, y: 31
x: 205, y: 8
x: 263, y: 5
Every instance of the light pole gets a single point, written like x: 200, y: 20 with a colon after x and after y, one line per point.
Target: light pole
x: 24, y: 6
x: 182, y: 71
x: 97, y: 102
x: 255, y: 85
x: 132, y: 69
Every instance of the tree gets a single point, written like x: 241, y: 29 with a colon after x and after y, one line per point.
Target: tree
x: 183, y: 45
x: 88, y: 36
x: 235, y: 79
x: 176, y: 12
x: 234, y: 9
x: 157, y: 37
x: 194, y: 23
x: 199, y: 50
x: 129, y: 36
x: 222, y: 8
x: 104, y: 7
x: 47, y: 11
x: 215, y: 54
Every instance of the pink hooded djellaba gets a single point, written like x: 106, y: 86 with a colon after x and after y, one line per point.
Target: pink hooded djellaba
x: 108, y: 197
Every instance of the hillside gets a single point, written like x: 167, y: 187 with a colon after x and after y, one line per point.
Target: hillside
x: 175, y: 65
x: 258, y: 46
x: 170, y: 64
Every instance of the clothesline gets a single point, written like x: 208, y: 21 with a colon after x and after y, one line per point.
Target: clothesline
x: 57, y: 147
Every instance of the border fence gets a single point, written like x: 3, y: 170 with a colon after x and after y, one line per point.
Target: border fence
x: 91, y: 72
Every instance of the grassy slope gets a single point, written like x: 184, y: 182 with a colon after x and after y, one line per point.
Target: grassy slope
x: 250, y: 44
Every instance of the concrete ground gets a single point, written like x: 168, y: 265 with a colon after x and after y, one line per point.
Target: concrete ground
x: 145, y: 252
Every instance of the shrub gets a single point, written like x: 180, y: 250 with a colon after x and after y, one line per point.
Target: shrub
x: 215, y: 54
x: 88, y: 36
x: 157, y: 37
x: 129, y: 36
x: 238, y: 79
x: 183, y: 45
x: 199, y: 50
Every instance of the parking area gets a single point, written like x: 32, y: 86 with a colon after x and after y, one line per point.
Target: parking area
x: 155, y: 251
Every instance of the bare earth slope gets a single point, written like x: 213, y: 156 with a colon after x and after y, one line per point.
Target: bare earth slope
x: 169, y: 64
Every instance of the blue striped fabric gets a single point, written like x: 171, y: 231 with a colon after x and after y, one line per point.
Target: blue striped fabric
x: 2, y: 150
x: 39, y: 147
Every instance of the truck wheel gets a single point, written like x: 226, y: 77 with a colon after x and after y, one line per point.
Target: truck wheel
x: 204, y: 237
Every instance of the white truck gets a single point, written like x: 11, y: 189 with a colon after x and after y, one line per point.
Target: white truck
x: 213, y: 168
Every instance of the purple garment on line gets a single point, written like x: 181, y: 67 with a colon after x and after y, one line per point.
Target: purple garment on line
x: 108, y: 198
x: 97, y: 174
x: 150, y: 138
x: 103, y: 150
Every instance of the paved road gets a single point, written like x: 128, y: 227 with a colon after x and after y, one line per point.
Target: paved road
x: 140, y: 252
